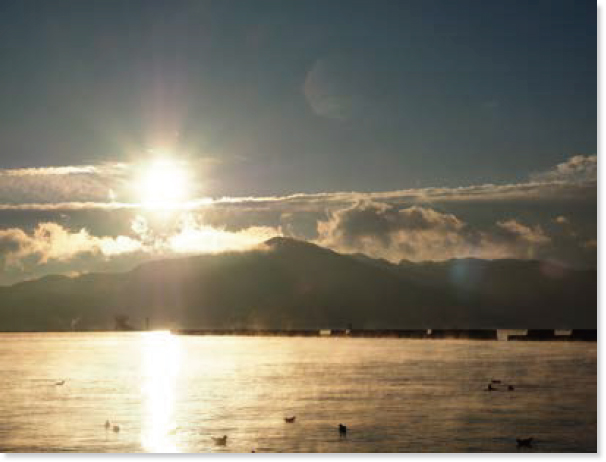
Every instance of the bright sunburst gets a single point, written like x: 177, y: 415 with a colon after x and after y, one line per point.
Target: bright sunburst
x: 163, y: 183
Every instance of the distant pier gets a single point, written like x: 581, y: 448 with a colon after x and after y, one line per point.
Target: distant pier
x: 428, y: 334
x: 551, y: 335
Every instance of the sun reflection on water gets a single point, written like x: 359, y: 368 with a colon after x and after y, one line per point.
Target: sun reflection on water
x: 160, y: 369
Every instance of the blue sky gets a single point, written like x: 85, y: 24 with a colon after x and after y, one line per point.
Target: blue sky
x: 273, y: 98
x: 427, y: 92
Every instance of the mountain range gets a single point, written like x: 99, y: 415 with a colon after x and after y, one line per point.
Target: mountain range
x: 291, y: 284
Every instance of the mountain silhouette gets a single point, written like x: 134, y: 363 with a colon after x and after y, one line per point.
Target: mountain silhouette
x: 291, y: 284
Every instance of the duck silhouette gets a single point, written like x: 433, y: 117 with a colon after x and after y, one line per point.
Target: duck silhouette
x: 290, y: 419
x: 59, y: 383
x: 524, y: 442
x: 342, y: 430
x: 490, y: 387
x: 220, y: 440
x: 116, y: 428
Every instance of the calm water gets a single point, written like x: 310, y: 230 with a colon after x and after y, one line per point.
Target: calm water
x: 173, y: 393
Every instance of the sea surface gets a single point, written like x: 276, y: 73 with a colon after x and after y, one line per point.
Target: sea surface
x: 170, y: 393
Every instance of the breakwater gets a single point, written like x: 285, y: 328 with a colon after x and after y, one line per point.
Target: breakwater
x: 428, y: 334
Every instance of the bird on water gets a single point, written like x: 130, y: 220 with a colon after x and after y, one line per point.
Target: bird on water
x: 342, y: 430
x: 524, y: 442
x: 220, y: 441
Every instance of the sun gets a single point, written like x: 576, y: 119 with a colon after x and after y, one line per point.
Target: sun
x: 163, y: 183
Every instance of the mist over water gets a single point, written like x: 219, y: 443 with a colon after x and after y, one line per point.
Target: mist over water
x: 174, y: 393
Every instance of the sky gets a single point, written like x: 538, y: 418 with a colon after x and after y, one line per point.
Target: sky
x: 417, y: 130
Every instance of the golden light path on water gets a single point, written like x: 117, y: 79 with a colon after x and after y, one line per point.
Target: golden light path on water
x: 178, y: 393
x: 161, y: 356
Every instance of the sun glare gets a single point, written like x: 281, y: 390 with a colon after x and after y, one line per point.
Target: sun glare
x: 164, y: 183
x: 161, y: 368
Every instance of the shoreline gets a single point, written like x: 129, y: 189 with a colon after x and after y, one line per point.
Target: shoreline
x: 532, y: 335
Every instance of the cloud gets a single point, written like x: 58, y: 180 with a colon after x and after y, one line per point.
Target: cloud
x: 192, y: 236
x: 420, y: 233
x: 51, y: 241
x: 523, y: 192
x: 102, y: 169
x: 67, y: 206
x: 408, y: 224
x: 534, y: 235
x: 574, y: 179
x: 577, y: 169
x: 206, y: 239
x: 47, y: 186
x: 369, y: 220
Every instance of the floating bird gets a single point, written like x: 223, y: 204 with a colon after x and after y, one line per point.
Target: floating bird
x: 495, y: 381
x: 290, y: 419
x: 107, y: 424
x: 116, y: 428
x: 342, y: 431
x: 220, y: 441
x: 60, y: 382
x: 510, y: 387
x: 490, y: 387
x: 524, y: 442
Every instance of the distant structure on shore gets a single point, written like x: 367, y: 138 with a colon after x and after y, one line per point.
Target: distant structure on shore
x: 551, y: 335
x: 428, y: 334
x: 121, y: 323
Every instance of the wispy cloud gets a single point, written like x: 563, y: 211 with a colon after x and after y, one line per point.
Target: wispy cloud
x: 113, y: 168
x: 48, y: 186
x: 66, y: 206
x: 93, y: 187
